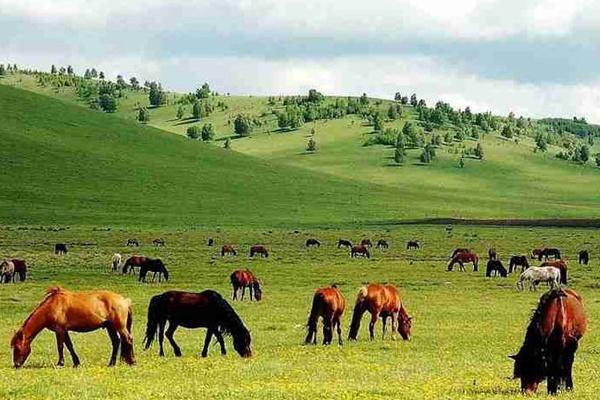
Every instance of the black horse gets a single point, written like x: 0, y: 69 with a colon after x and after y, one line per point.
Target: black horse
x: 196, y: 310
x: 133, y: 242
x: 382, y: 244
x: 159, y: 242
x: 344, y: 243
x: 584, y: 257
x: 492, y: 255
x: 496, y: 267
x: 60, y: 248
x: 518, y: 261
x: 549, y: 252
x: 312, y: 243
x: 412, y: 244
x: 153, y: 265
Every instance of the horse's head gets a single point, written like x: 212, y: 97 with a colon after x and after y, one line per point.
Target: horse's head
x: 404, y: 324
x: 241, y: 343
x: 21, y: 348
x: 257, y: 290
x: 528, y: 370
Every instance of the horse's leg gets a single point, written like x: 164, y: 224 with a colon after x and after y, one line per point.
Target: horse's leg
x: 243, y: 292
x: 339, y: 329
x: 234, y: 296
x: 221, y: 342
x: 60, y: 341
x: 250, y: 290
x: 114, y: 339
x: 169, y: 334
x: 71, y: 349
x: 383, y: 326
x: 374, y: 318
x: 394, y: 324
x: 161, y: 337
x: 569, y: 358
x: 209, y: 333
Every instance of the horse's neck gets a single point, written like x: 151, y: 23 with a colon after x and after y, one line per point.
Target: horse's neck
x: 35, y: 322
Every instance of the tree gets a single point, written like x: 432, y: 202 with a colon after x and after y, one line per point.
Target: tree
x: 425, y: 157
x: 227, y: 144
x: 196, y: 111
x: 87, y: 74
x: 121, y: 82
x: 94, y: 73
x: 597, y: 157
x: 203, y: 92
x: 413, y: 100
x: 461, y: 163
x: 392, y: 112
x: 311, y: 146
x: 448, y: 138
x: 101, y: 76
x: 583, y: 153
x: 540, y: 142
x: 364, y: 100
x: 242, y: 125
x: 193, y: 132
x: 107, y: 103
x: 399, y: 156
x: 377, y: 122
x: 507, y: 131
x: 143, y: 115
x: 314, y: 96
x: 180, y: 112
x: 422, y: 103
x: 70, y: 70
x: 207, y: 133
x: 2, y: 69
x: 479, y: 151
x: 156, y: 96
x: 53, y: 70
x: 135, y: 84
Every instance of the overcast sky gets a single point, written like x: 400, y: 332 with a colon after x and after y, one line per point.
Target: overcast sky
x: 537, y: 58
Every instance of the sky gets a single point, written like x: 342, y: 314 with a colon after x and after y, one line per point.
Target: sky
x: 535, y: 58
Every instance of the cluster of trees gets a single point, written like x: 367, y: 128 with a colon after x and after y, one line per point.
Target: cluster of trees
x: 206, y: 132
x: 579, y: 153
x: 8, y: 69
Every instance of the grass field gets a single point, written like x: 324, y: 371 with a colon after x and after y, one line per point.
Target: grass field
x: 464, y: 326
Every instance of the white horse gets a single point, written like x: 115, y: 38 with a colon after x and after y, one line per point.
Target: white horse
x: 7, y: 270
x: 116, y: 261
x: 535, y: 275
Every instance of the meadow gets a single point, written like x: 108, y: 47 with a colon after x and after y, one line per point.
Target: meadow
x: 464, y: 325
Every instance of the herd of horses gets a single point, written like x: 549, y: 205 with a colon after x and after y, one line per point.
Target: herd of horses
x: 547, y: 352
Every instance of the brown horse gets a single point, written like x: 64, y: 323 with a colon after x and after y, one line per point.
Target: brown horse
x: 242, y: 279
x: 464, y: 257
x: 561, y: 265
x: 360, y: 250
x: 460, y: 250
x: 227, y: 249
x: 366, y: 242
x: 537, y: 253
x: 62, y: 311
x: 518, y: 261
x: 329, y: 304
x: 551, y: 341
x: 381, y: 301
x: 259, y: 249
x: 134, y: 262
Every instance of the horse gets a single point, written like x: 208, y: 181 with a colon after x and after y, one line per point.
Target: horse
x: 195, y: 310
x: 459, y: 250
x: 492, y: 255
x: 259, y: 249
x: 366, y: 242
x: 329, y: 304
x: 133, y: 242
x: 549, y: 252
x: 60, y: 248
x: 344, y: 243
x: 62, y: 311
x: 7, y: 271
x: 227, y: 249
x: 153, y: 265
x: 381, y: 301
x: 116, y: 261
x: 20, y: 269
x: 551, y: 340
x: 496, y: 267
x: 584, y: 257
x: 360, y: 250
x: 535, y: 275
x: 312, y: 243
x: 412, y: 244
x: 210, y: 242
x: 159, y: 242
x: 382, y: 244
x: 242, y: 279
x: 561, y: 265
x: 518, y: 261
x: 464, y: 257
x: 134, y: 262
x: 537, y: 253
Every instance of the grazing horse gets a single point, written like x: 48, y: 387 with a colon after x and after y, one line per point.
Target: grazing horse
x: 116, y: 261
x: 382, y: 244
x: 381, y: 301
x: 360, y: 250
x: 551, y: 341
x: 584, y: 257
x: 159, y: 242
x: 312, y: 243
x: 20, y: 269
x: 7, y: 271
x: 133, y: 242
x: 561, y: 265
x: 60, y: 248
x: 549, y: 252
x: 366, y: 242
x: 153, y: 265
x: 535, y: 275
x: 195, y: 310
x: 344, y: 243
x: 242, y: 279
x: 259, y: 249
x: 210, y: 242
x: 459, y: 250
x: 496, y: 267
x: 492, y: 255
x: 228, y: 249
x: 62, y: 311
x: 518, y: 261
x: 464, y: 257
x: 134, y: 262
x: 412, y: 244
x: 329, y: 304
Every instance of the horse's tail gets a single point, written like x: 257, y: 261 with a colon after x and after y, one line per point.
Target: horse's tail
x: 314, y: 316
x: 451, y: 264
x: 156, y: 311
x: 359, y: 310
x: 165, y: 273
x: 125, y: 266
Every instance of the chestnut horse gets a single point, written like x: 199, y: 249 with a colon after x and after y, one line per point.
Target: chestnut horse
x: 518, y: 261
x: 361, y: 250
x: 62, y: 311
x: 460, y: 250
x: 134, y: 262
x: 561, y: 265
x: 366, y: 242
x: 551, y: 341
x: 464, y: 257
x: 259, y: 249
x: 242, y: 279
x: 227, y: 249
x: 329, y: 304
x: 381, y: 301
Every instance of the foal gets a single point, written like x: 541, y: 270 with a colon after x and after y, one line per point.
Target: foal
x: 328, y: 303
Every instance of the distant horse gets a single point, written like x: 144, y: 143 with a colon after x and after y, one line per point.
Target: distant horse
x: 496, y: 267
x: 459, y: 250
x: 210, y: 242
x: 259, y: 249
x: 312, y: 243
x: 116, y: 261
x: 382, y: 244
x: 537, y: 253
x: 19, y: 268
x: 492, y: 254
x: 518, y: 261
x: 133, y: 242
x: 153, y: 265
x: 133, y: 262
x: 7, y: 271
x: 412, y: 244
x: 329, y: 304
x: 561, y: 265
x: 549, y: 252
x: 584, y: 257
x: 551, y: 341
x: 381, y: 301
x: 159, y: 242
x: 195, y: 310
x: 344, y: 243
x: 228, y: 249
x: 60, y: 248
x: 535, y: 275
x: 366, y: 242
x: 464, y: 257
x: 62, y: 311
x: 359, y: 250
x: 242, y: 279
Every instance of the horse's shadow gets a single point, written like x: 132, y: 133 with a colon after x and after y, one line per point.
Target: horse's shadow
x: 186, y: 121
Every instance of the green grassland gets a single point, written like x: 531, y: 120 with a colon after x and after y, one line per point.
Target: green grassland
x: 464, y: 328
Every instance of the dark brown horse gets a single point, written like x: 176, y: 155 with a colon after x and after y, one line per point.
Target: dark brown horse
x: 20, y: 269
x: 259, y: 249
x: 537, y: 253
x: 133, y: 242
x: 242, y: 279
x: 381, y: 301
x: 382, y: 244
x: 459, y: 250
x: 329, y: 304
x: 228, y: 249
x: 584, y: 257
x: 518, y: 261
x: 134, y: 262
x: 344, y: 243
x: 495, y: 267
x: 561, y: 265
x: 549, y: 252
x: 360, y: 250
x: 464, y: 257
x: 196, y: 310
x: 62, y: 311
x: 366, y: 242
x: 312, y: 242
x: 60, y: 248
x: 551, y: 341
x: 156, y: 266
x: 412, y: 244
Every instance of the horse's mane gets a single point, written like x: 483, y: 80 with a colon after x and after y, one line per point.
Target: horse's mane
x: 533, y: 336
x: 229, y: 321
x: 50, y: 292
